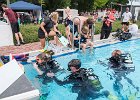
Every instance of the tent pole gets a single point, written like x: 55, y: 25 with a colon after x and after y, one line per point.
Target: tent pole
x: 8, y: 3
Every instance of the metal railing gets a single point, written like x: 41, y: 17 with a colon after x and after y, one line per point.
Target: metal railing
x: 73, y: 34
x: 92, y: 32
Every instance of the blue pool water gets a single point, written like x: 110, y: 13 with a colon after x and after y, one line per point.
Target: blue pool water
x: 124, y: 90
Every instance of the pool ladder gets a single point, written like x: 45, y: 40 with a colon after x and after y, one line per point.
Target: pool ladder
x: 92, y: 32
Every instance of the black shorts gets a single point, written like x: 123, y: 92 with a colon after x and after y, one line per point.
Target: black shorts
x: 41, y: 34
x: 15, y: 27
x: 125, y: 23
x: 18, y: 29
x: 90, y: 26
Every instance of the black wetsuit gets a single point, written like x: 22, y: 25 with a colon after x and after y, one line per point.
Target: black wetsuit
x: 118, y: 63
x: 82, y: 40
x: 120, y: 70
x: 82, y: 85
x: 46, y: 67
x: 106, y: 29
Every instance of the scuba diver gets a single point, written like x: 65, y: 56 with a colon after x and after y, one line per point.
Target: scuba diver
x: 84, y: 82
x: 121, y: 61
x: 122, y: 64
x: 46, y: 64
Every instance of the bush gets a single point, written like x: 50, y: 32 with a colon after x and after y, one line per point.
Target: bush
x: 30, y: 31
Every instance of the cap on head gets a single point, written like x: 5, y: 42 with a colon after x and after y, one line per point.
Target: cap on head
x: 74, y: 63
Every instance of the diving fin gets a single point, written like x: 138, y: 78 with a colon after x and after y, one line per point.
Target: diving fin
x: 62, y: 39
x: 46, y: 44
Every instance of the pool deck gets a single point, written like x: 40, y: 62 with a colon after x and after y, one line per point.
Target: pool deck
x: 6, y: 50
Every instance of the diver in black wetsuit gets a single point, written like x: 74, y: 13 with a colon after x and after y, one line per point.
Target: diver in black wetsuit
x: 122, y: 64
x: 84, y: 81
x: 46, y: 64
x: 121, y: 61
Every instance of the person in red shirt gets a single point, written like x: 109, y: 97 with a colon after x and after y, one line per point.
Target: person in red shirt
x: 107, y: 25
x: 14, y: 23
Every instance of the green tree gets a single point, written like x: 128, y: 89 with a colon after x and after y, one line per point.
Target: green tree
x: 85, y: 5
x: 88, y: 5
x: 124, y: 2
x: 100, y: 3
x: 57, y: 4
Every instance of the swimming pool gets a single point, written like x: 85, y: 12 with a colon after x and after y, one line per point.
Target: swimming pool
x: 124, y: 89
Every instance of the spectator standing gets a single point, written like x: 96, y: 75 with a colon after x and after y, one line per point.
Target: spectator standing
x: 126, y: 17
x: 107, y: 25
x: 14, y: 23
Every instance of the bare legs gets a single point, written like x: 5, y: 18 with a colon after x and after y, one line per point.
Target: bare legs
x: 68, y: 34
x: 42, y: 41
x: 84, y: 46
x: 19, y: 36
x: 51, y: 33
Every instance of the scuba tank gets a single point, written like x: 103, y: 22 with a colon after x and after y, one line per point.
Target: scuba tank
x: 126, y: 59
x: 92, y: 79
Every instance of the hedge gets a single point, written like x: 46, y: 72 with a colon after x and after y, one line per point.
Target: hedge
x: 29, y: 31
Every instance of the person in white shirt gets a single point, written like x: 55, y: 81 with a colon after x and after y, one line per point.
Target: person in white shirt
x: 133, y: 28
x: 126, y: 17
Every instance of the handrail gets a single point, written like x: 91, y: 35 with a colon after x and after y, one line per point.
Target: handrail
x: 92, y: 32
x: 73, y: 32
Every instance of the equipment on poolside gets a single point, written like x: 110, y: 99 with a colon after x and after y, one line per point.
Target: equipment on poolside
x: 19, y: 57
x: 62, y: 39
x: 122, y: 36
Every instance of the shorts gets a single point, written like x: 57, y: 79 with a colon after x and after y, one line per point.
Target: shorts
x: 15, y: 27
x: 125, y: 23
x: 67, y: 22
x: 41, y: 34
x: 18, y: 29
x: 75, y: 28
x: 76, y: 43
x: 90, y: 26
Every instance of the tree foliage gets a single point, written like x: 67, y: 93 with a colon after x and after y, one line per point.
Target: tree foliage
x: 57, y: 4
x: 100, y: 3
x: 81, y: 5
